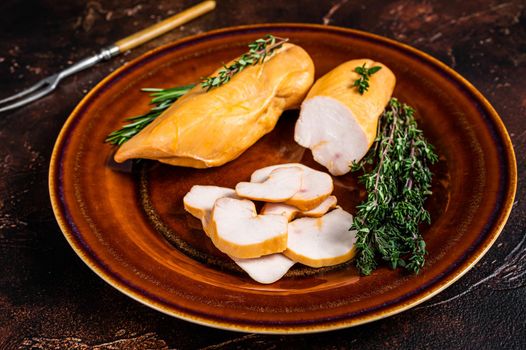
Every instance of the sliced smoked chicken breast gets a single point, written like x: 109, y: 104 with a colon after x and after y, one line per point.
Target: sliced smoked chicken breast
x: 323, y: 241
x: 265, y: 269
x: 291, y: 212
x: 316, y: 186
x: 241, y: 233
x: 336, y: 122
x: 281, y: 184
x: 199, y: 202
x: 209, y: 128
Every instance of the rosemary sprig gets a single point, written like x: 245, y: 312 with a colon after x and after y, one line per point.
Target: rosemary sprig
x: 258, y: 51
x: 362, y: 83
x: 162, y: 99
x: 397, y: 179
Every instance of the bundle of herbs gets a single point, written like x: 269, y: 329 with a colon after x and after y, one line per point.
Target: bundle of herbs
x: 397, y: 179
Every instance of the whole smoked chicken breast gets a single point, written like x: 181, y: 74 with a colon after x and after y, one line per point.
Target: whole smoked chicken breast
x: 207, y: 129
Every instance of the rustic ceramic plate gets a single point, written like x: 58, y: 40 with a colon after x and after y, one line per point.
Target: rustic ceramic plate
x: 131, y: 229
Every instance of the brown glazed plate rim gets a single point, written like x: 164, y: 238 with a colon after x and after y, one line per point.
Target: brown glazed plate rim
x: 420, y: 294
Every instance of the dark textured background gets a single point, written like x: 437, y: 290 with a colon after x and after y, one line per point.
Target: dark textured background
x: 50, y: 300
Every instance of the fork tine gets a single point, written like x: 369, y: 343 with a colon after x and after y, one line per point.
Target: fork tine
x: 25, y: 92
x: 28, y: 99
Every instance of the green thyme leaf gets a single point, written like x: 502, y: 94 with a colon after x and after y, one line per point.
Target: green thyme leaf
x: 362, y: 83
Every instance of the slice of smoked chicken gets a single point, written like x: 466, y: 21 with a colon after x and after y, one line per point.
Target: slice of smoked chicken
x: 291, y: 212
x: 323, y: 241
x: 336, y: 122
x: 207, y: 129
x: 316, y: 185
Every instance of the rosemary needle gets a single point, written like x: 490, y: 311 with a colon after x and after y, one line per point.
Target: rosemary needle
x: 258, y: 51
x: 161, y: 99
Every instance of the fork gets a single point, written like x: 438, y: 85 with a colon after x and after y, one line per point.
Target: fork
x: 48, y: 84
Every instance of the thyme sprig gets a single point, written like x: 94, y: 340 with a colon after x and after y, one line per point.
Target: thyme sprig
x: 258, y: 51
x: 362, y: 83
x: 164, y: 98
x: 397, y: 179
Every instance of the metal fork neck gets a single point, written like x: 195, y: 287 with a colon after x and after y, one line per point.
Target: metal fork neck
x: 103, y: 55
x: 108, y: 52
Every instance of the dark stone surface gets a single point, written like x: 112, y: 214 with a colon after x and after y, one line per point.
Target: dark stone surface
x: 50, y: 300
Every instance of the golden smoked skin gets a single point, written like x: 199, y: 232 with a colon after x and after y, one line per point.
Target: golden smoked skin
x: 207, y: 129
x: 366, y: 108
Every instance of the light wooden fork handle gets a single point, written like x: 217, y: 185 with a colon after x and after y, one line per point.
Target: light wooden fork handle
x: 162, y: 27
